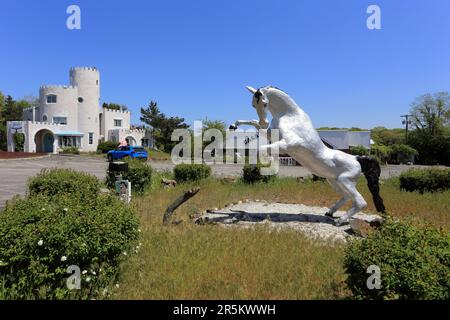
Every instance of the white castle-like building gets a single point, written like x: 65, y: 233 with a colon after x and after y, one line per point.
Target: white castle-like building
x: 70, y: 116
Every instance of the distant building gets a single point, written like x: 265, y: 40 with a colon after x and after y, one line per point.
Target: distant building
x: 344, y: 139
x: 70, y: 116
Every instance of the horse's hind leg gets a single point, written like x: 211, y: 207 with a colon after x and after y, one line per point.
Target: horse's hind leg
x: 358, y: 203
x: 340, y: 202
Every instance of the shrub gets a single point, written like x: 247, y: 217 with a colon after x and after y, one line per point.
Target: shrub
x: 191, y: 172
x: 42, y: 237
x: 19, y: 141
x: 105, y: 146
x: 424, y: 180
x: 70, y: 150
x: 251, y: 173
x: 414, y: 262
x: 55, y: 182
x: 359, y: 151
x: 139, y: 174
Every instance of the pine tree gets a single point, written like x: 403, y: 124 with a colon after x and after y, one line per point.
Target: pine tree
x: 162, y: 126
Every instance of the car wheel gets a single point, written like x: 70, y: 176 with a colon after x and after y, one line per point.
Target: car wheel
x: 110, y: 158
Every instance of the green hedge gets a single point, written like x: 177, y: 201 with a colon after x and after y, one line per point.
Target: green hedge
x: 139, y: 174
x: 55, y: 182
x: 425, y: 180
x: 191, y: 172
x: 414, y: 262
x: 41, y: 237
x: 105, y: 146
x: 70, y: 150
x: 252, y: 174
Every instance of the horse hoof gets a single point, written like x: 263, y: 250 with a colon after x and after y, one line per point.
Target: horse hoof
x: 339, y: 222
x: 329, y: 214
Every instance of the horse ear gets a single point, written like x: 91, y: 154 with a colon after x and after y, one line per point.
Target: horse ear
x: 251, y: 89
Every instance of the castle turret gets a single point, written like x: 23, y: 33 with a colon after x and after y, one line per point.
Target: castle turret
x: 87, y: 80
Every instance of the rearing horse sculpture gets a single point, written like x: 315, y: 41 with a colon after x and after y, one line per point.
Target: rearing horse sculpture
x: 301, y: 141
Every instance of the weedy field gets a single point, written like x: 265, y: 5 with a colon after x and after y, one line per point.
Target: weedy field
x: 187, y: 261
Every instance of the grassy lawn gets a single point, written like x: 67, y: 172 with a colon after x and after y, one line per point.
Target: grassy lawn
x: 211, y: 262
x: 158, y: 155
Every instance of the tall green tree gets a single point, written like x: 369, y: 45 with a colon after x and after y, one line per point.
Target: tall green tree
x: 2, y: 122
x: 431, y: 137
x: 431, y: 113
x: 162, y: 125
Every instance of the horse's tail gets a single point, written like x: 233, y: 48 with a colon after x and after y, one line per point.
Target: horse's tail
x: 371, y: 169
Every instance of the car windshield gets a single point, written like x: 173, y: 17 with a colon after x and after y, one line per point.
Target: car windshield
x: 139, y: 149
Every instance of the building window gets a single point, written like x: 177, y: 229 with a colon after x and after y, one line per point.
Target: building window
x: 60, y: 120
x: 51, y: 98
x: 91, y: 138
x: 69, y: 141
x: 117, y: 123
x: 80, y: 100
x: 97, y: 82
x: 44, y: 118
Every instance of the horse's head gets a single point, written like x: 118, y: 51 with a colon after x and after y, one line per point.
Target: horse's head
x: 260, y: 102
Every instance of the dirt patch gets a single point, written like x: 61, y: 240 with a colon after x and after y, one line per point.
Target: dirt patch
x: 19, y: 155
x: 311, y: 221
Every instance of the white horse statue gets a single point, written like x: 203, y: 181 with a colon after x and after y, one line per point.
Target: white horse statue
x: 301, y: 141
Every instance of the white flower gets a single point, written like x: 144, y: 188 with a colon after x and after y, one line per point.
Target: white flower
x: 117, y: 285
x: 93, y: 272
x: 139, y: 230
x: 125, y: 253
x: 43, y: 209
x: 40, y: 242
x: 65, y: 209
x: 88, y: 279
x: 63, y: 258
x: 84, y: 272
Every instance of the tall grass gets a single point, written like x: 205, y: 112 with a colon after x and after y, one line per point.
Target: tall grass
x: 211, y: 262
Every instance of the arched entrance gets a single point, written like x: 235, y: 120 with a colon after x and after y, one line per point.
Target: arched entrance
x: 44, y: 140
x: 130, y: 141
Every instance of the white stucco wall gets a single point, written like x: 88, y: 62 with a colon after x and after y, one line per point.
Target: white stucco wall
x: 108, y: 117
x: 66, y: 105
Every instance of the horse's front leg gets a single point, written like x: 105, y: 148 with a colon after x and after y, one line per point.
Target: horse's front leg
x: 280, y: 146
x: 238, y: 123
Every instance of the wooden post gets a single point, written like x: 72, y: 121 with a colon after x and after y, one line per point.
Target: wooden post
x: 178, y: 202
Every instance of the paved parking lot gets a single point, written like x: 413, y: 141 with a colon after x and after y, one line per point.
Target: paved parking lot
x: 14, y: 174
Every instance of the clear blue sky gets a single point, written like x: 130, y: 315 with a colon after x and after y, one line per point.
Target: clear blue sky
x: 195, y: 57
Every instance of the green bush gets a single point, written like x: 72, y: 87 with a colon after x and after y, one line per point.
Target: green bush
x: 251, y: 173
x: 425, y: 180
x: 105, y: 146
x: 191, y: 172
x: 359, y: 151
x: 55, y: 182
x: 139, y: 174
x: 414, y: 262
x: 19, y: 141
x: 41, y: 237
x: 70, y: 150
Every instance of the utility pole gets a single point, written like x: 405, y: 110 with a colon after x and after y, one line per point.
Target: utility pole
x: 406, y: 122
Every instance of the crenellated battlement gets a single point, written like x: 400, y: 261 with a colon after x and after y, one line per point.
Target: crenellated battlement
x: 115, y: 110
x: 56, y: 86
x: 94, y: 69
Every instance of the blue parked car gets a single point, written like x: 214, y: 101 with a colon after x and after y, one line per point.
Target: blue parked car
x: 129, y: 151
